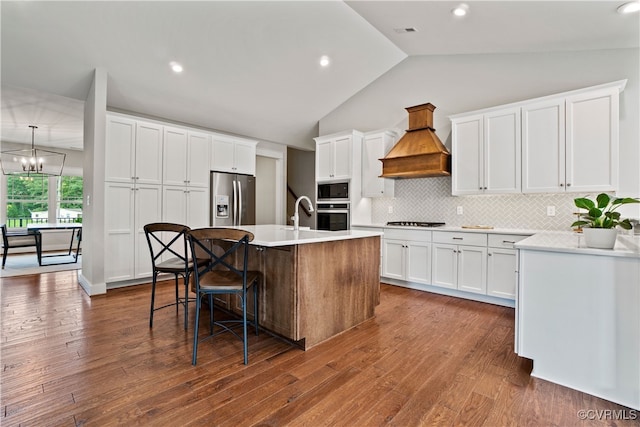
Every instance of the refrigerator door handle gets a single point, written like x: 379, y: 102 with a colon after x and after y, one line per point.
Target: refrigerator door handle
x: 235, y: 203
x: 239, y: 203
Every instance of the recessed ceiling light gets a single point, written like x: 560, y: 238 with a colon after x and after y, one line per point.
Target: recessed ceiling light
x: 324, y: 61
x: 176, y: 67
x: 630, y: 7
x: 460, y: 10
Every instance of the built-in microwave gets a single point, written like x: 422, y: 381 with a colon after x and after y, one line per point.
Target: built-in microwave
x: 333, y: 191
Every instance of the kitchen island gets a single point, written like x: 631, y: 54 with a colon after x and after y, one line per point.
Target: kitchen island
x: 316, y: 284
x: 578, y: 314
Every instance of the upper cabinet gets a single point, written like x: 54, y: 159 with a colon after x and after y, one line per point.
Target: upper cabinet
x: 570, y: 144
x: 559, y: 143
x: 374, y: 147
x: 186, y: 158
x: 234, y: 155
x: 334, y: 155
x: 486, y: 153
x: 133, y: 151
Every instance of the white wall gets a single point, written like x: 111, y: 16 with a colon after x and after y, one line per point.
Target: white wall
x: 265, y: 190
x: 460, y: 83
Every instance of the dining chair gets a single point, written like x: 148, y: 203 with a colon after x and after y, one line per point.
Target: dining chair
x: 20, y: 238
x: 226, y: 273
x: 170, y: 254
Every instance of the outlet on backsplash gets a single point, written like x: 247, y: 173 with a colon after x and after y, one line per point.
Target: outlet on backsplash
x: 459, y: 210
x: 551, y: 211
x: 390, y: 209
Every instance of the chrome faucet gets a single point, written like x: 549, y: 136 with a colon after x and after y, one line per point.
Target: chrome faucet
x: 296, y: 217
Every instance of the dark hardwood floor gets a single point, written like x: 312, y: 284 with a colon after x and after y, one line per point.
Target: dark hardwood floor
x: 72, y: 360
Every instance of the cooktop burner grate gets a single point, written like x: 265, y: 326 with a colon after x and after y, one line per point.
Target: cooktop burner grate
x: 415, y: 223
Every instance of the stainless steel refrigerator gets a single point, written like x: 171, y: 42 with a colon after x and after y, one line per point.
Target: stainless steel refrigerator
x: 233, y: 199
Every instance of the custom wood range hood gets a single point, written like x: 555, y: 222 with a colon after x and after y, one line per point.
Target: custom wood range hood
x: 419, y: 153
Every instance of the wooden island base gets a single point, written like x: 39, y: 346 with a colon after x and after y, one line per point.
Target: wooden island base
x: 314, y: 291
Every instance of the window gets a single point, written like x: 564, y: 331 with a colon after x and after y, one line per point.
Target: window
x: 38, y: 199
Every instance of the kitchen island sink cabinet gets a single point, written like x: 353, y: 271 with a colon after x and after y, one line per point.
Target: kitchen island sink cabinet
x: 315, y: 284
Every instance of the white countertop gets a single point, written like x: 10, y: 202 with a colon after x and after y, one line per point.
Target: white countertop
x: 453, y: 228
x: 571, y: 242
x: 280, y: 235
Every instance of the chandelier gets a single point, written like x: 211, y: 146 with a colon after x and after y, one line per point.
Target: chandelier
x: 29, y: 163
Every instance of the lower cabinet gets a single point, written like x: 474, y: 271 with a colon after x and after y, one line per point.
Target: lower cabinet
x: 478, y: 263
x: 405, y: 259
x: 186, y: 205
x: 502, y: 271
x: 460, y: 267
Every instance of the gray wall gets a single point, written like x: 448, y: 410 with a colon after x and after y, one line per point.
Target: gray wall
x: 460, y: 83
x: 301, y: 177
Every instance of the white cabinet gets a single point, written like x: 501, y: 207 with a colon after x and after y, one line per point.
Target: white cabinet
x: 186, y: 158
x: 407, y: 255
x: 486, y: 153
x: 133, y: 151
x: 335, y: 155
x: 186, y: 205
x: 502, y: 265
x: 234, y: 155
x: 128, y: 208
x: 570, y: 143
x: 460, y: 261
x: 592, y: 141
x: 543, y: 140
x: 374, y: 147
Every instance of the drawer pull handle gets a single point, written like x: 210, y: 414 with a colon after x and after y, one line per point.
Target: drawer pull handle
x: 458, y: 238
x: 508, y: 241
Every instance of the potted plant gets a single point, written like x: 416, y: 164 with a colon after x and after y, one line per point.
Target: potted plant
x: 601, y: 219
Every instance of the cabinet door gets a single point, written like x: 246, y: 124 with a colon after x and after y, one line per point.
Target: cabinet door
x: 222, y: 155
x: 467, y: 156
x: 173, y: 204
x: 148, y: 209
x: 198, y: 156
x: 472, y: 269
x: 148, y: 158
x: 393, y: 258
x: 444, y: 265
x: 324, y: 160
x: 502, y: 272
x: 245, y: 158
x: 197, y: 207
x: 502, y: 151
x: 120, y: 150
x: 373, y: 149
x: 174, y: 171
x: 119, y: 232
x: 342, y: 158
x: 592, y: 141
x: 543, y: 141
x: 418, y: 262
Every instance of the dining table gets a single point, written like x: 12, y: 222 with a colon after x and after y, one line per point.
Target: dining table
x: 71, y: 255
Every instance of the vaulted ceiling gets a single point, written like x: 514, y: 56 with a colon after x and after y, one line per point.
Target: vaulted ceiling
x: 252, y: 68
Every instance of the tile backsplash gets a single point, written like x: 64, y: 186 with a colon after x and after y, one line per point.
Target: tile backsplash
x: 430, y: 199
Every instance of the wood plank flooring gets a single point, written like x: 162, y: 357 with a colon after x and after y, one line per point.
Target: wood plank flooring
x: 71, y: 360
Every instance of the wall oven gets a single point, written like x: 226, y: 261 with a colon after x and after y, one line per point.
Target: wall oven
x: 332, y: 216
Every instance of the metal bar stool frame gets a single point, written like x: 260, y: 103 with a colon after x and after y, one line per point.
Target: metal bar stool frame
x: 220, y: 276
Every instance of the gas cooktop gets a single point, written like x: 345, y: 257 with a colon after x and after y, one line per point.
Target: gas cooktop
x: 415, y: 224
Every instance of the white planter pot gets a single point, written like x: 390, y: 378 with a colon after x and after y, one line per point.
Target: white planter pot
x: 601, y: 238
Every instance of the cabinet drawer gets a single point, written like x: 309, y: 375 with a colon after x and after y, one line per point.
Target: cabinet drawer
x: 505, y: 240
x: 404, y: 234
x: 455, y: 238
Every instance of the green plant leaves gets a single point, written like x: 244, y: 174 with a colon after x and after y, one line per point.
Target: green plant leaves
x: 601, y: 213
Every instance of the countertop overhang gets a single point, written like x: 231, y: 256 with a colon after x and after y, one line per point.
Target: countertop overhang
x: 272, y: 235
x: 571, y: 242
